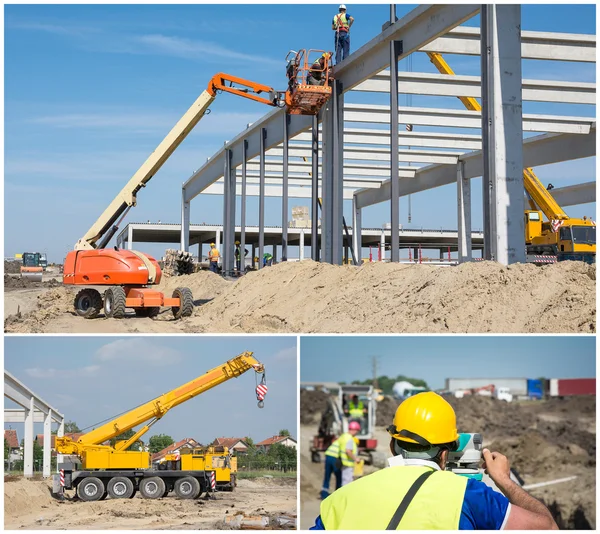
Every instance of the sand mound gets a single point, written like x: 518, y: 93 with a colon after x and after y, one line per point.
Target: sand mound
x: 204, y: 285
x: 12, y: 267
x: 312, y: 405
x: 50, y: 304
x: 26, y: 495
x: 384, y: 297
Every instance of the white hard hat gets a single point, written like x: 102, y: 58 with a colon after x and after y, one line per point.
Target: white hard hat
x: 342, y: 6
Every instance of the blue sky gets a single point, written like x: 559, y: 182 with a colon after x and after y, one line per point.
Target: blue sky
x: 90, y: 90
x: 435, y: 358
x: 90, y: 379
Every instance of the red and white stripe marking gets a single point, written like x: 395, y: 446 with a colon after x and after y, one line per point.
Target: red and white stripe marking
x: 62, y: 478
x: 213, y: 480
x: 261, y: 391
x: 556, y: 225
x: 544, y: 259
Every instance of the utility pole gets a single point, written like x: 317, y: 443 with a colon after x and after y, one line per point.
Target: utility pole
x: 375, y: 381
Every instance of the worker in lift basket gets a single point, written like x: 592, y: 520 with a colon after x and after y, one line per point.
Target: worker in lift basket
x: 415, y: 493
x: 340, y: 457
x: 317, y: 72
x: 213, y: 258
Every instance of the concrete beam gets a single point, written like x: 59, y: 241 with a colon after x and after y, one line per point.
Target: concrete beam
x: 17, y: 415
x: 574, y: 195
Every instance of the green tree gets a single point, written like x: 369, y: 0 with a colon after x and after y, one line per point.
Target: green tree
x: 250, y: 442
x: 284, y: 432
x: 123, y: 437
x: 6, y: 449
x: 159, y: 442
x: 71, y: 427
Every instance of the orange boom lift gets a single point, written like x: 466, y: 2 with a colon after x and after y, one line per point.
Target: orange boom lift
x: 129, y: 275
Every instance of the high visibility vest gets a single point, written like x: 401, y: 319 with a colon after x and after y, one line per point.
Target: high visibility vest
x: 333, y: 449
x: 213, y: 255
x: 356, y: 410
x: 237, y: 253
x: 340, y: 21
x: 343, y: 441
x: 369, y: 503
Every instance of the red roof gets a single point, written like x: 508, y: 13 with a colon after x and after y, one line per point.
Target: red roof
x: 273, y: 440
x: 229, y: 442
x: 175, y: 446
x: 11, y: 437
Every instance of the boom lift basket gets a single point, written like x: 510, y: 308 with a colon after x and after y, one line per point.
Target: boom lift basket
x: 301, y: 97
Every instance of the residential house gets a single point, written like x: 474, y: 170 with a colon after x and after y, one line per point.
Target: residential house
x: 237, y: 445
x: 15, y: 452
x: 175, y: 448
x: 287, y: 441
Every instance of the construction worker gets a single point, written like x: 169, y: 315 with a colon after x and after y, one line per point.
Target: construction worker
x: 356, y: 408
x: 238, y: 256
x: 317, y: 72
x: 340, y: 457
x: 213, y: 258
x: 341, y: 25
x: 415, y: 493
x: 267, y: 259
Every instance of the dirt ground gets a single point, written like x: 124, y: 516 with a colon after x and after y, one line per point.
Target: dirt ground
x: 544, y: 440
x: 310, y: 297
x: 29, y: 505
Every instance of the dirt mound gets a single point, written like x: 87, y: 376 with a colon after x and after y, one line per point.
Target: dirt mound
x: 386, y: 409
x: 385, y: 297
x: 22, y: 494
x: 312, y: 405
x: 16, y: 282
x: 12, y: 267
x: 50, y: 304
x: 204, y: 285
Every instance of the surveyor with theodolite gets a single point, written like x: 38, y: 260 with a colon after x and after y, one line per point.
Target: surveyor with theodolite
x: 416, y: 493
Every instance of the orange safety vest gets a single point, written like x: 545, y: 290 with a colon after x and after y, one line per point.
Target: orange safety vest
x: 213, y: 255
x: 341, y: 25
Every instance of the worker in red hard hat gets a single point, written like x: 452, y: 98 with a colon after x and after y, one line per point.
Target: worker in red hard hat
x: 341, y: 26
x: 340, y: 458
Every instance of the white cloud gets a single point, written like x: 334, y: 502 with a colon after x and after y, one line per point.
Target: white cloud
x: 78, y: 31
x: 50, y: 372
x: 137, y: 350
x: 287, y: 355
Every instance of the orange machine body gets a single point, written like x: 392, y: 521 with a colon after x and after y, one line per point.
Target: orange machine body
x: 107, y: 267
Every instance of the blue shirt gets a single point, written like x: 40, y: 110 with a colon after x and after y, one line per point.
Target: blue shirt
x: 482, y: 509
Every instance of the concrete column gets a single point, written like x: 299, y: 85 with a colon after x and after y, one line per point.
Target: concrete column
x: 274, y: 253
x: 60, y: 458
x: 261, y: 199
x: 47, y: 444
x: 228, y: 215
x: 503, y: 117
x: 28, y: 440
x: 285, y: 189
x: 315, y: 190
x: 243, y: 207
x: 129, y: 237
x: 253, y: 254
x: 382, y: 242
x: 395, y: 51
x: 442, y: 257
x: 185, y: 223
x: 357, y: 231
x: 327, y: 182
x: 301, y: 253
x: 337, y: 189
x: 463, y: 189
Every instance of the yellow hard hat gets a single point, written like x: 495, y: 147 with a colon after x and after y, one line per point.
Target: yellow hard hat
x: 212, y: 244
x: 425, y: 419
x: 237, y: 242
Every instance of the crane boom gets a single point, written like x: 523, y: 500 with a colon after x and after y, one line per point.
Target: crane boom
x: 535, y: 189
x: 155, y: 409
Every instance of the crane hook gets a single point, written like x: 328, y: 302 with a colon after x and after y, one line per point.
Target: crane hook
x: 261, y: 391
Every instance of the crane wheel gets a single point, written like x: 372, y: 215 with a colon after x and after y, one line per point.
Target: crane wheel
x: 88, y: 303
x: 186, y: 301
x: 150, y: 312
x: 120, y: 488
x: 90, y: 489
x: 114, y: 302
x: 152, y: 488
x: 187, y: 488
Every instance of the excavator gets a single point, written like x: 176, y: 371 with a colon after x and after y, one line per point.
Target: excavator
x: 560, y: 236
x: 128, y: 274
x: 102, y: 470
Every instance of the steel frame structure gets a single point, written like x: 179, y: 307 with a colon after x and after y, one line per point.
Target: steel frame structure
x: 291, y: 156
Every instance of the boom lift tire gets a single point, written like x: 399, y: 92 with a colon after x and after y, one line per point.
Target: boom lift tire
x: 186, y: 300
x: 152, y: 487
x: 114, y: 302
x: 187, y: 488
x: 150, y: 312
x: 88, y: 303
x: 120, y: 488
x: 90, y: 489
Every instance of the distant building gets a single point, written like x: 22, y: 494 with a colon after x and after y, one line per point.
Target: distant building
x: 287, y: 441
x: 15, y: 453
x: 237, y: 445
x: 175, y: 448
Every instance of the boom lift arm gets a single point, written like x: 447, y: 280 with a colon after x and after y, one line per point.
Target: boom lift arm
x: 106, y: 226
x: 154, y: 410
x: 535, y: 189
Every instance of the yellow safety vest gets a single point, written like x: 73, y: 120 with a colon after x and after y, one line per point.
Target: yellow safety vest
x: 333, y: 449
x: 356, y: 410
x: 213, y: 255
x: 342, y: 444
x: 340, y: 21
x: 369, y: 503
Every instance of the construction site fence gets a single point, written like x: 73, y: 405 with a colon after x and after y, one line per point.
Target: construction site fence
x: 284, y: 467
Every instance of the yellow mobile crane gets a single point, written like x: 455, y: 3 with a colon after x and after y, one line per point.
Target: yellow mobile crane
x: 561, y: 236
x: 115, y: 471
